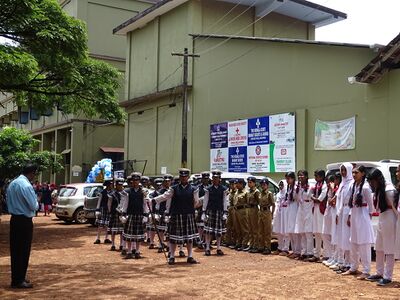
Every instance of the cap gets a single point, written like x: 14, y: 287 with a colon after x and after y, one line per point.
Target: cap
x: 119, y: 181
x: 251, y: 178
x: 216, y: 173
x: 264, y: 180
x: 145, y: 178
x: 205, y: 174
x: 135, y: 176
x: 233, y: 180
x: 184, y: 172
x: 241, y: 180
x: 107, y: 182
x: 168, y: 177
x: 158, y: 181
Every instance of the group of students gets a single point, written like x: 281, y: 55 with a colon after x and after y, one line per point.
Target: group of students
x: 167, y: 210
x: 331, y: 221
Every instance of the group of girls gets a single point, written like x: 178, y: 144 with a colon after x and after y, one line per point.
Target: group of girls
x: 330, y: 221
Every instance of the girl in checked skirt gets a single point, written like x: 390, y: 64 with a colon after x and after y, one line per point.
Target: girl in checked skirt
x: 136, y: 209
x: 386, y: 234
x: 115, y: 226
x: 102, y: 214
x: 359, y: 220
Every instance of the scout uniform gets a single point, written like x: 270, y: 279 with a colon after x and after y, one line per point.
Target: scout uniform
x: 205, y: 179
x: 253, y: 198
x: 150, y: 226
x: 267, y: 206
x: 182, y: 199
x: 241, y: 225
x: 230, y: 238
x: 215, y: 212
x: 102, y: 214
x: 160, y: 211
x: 114, y: 202
x: 137, y: 211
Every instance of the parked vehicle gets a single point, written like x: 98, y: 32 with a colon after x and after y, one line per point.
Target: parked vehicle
x: 90, y: 204
x: 226, y: 176
x: 70, y: 201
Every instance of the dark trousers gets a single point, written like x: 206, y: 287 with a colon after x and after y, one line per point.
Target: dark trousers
x: 21, y: 230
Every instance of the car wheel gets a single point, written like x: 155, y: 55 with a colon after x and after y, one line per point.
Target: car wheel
x: 79, y: 216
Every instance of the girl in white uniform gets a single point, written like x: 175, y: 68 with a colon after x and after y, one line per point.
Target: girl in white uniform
x: 386, y: 233
x: 277, y: 219
x: 342, y: 213
x: 359, y: 220
x: 287, y: 206
x: 304, y: 218
x: 397, y: 204
x: 319, y: 197
x: 291, y: 217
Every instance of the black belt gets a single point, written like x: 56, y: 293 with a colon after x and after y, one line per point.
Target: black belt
x: 252, y: 206
x: 240, y: 207
x: 265, y: 208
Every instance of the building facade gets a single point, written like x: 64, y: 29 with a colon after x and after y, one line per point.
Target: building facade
x: 82, y: 142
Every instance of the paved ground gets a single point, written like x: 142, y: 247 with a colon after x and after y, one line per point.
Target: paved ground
x: 66, y: 265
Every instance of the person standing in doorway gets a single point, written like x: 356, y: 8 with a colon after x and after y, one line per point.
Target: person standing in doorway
x: 22, y: 205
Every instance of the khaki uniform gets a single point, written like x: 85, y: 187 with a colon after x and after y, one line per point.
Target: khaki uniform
x: 253, y: 198
x: 267, y: 205
x: 230, y: 236
x: 241, y: 226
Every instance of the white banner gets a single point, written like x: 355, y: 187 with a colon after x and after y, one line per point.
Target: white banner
x: 258, y: 158
x: 237, y: 133
x: 335, y: 135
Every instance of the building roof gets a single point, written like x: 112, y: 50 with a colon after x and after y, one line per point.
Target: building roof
x: 280, y: 40
x: 387, y: 59
x: 303, y: 10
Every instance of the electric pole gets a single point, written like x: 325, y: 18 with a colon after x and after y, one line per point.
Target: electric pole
x: 185, y: 108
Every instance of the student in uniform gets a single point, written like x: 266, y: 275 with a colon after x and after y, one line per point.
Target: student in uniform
x: 102, y: 215
x: 386, y: 234
x: 241, y: 225
x: 118, y: 196
x: 277, y: 219
x: 359, y: 220
x: 230, y: 236
x: 267, y: 208
x: 304, y: 218
x: 397, y: 205
x: 215, y: 212
x: 253, y: 199
x: 150, y: 226
x: 160, y: 211
x: 319, y: 197
x: 136, y: 209
x: 182, y: 200
x: 205, y: 183
x: 290, y: 226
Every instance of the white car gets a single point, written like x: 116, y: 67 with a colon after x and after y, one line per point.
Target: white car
x: 387, y: 167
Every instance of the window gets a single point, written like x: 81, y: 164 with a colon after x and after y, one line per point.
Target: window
x: 67, y: 191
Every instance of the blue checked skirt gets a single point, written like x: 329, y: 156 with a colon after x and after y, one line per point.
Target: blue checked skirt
x: 182, y: 229
x: 104, y: 219
x: 134, y: 229
x: 215, y: 225
x: 115, y: 225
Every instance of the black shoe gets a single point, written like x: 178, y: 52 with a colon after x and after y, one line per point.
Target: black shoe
x: 384, y: 282
x: 253, y: 250
x: 246, y: 249
x: 22, y: 285
x: 123, y: 252
x: 231, y: 247
x: 181, y: 253
x: 112, y: 248
x: 200, y: 246
x: 107, y: 241
x: 148, y: 240
x: 374, y: 278
x: 207, y: 253
x: 120, y: 248
x: 266, y: 252
x: 137, y: 255
x: 160, y: 249
x: 128, y: 256
x: 237, y: 247
x: 97, y: 241
x: 151, y: 246
x: 171, y: 260
x: 191, y: 260
x: 220, y: 253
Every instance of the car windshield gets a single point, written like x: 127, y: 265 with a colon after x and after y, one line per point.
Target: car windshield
x: 67, y: 191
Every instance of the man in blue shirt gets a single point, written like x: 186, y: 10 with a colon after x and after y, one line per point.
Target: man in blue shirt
x: 22, y: 205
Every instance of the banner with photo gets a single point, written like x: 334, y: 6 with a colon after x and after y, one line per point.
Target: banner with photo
x: 263, y: 144
x: 335, y: 135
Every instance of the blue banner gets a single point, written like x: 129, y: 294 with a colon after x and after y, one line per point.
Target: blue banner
x: 258, y: 131
x: 237, y: 159
x: 219, y: 135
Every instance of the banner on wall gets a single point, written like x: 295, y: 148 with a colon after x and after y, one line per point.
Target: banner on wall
x: 258, y: 145
x: 335, y: 135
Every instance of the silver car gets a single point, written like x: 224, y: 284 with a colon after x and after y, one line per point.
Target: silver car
x: 71, y: 201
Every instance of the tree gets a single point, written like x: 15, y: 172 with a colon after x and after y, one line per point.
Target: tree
x: 17, y: 148
x: 45, y: 62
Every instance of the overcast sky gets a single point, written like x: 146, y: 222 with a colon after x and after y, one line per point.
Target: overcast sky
x: 368, y: 21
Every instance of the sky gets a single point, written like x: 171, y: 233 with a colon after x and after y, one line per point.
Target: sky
x: 368, y: 21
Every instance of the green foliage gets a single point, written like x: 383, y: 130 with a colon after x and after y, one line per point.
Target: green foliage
x: 45, y: 62
x: 17, y: 149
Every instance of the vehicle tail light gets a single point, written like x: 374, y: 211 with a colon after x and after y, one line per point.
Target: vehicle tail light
x: 375, y: 214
